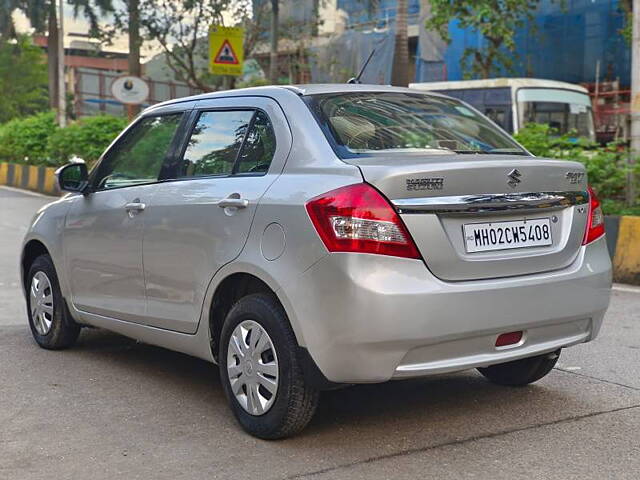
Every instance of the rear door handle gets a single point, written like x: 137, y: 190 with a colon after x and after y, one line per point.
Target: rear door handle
x: 233, y: 202
x: 134, y: 207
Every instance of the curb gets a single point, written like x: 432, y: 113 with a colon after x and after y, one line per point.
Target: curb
x: 29, y: 177
x: 626, y: 252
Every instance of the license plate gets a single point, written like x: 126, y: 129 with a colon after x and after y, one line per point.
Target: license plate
x: 483, y: 237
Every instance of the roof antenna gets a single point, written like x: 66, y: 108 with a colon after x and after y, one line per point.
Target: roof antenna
x: 357, y: 79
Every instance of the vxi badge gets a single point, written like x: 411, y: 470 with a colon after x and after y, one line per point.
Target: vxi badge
x: 432, y: 183
x: 574, y: 177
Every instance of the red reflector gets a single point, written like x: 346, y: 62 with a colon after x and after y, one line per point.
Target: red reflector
x: 510, y: 338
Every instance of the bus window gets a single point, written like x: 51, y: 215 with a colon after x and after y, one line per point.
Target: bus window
x: 563, y: 110
x: 500, y: 115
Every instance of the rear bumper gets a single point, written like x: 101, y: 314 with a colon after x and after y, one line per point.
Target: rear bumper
x: 367, y: 318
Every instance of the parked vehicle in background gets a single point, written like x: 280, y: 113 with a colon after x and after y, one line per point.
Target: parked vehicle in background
x: 308, y: 237
x: 513, y: 102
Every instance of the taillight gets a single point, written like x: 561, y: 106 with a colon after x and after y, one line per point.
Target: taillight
x: 595, y: 220
x: 357, y: 218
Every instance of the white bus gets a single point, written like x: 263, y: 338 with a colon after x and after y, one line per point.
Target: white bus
x: 514, y: 102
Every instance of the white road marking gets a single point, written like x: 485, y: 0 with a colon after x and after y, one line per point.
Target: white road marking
x: 625, y: 288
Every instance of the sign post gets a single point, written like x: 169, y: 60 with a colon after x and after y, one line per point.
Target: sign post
x: 131, y: 91
x: 226, y: 50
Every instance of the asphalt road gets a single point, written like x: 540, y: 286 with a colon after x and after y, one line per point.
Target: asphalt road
x: 111, y: 408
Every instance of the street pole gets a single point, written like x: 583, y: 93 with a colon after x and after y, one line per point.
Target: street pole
x: 635, y: 100
x: 62, y: 101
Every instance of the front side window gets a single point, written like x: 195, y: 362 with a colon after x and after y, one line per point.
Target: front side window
x: 370, y: 123
x: 215, y: 142
x: 138, y: 158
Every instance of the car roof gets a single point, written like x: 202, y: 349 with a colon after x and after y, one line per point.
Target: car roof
x: 300, y: 90
x: 498, y: 82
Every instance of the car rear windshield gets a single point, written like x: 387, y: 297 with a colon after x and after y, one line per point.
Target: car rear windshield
x: 393, y: 122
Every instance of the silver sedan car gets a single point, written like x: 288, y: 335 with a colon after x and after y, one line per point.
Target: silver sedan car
x: 304, y: 238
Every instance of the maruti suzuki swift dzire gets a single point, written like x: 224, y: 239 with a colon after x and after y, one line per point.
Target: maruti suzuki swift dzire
x: 308, y: 237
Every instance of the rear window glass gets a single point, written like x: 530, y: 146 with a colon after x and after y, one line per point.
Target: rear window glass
x: 383, y: 122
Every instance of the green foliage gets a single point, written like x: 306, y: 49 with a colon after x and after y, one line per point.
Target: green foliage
x: 627, y: 30
x: 86, y: 138
x: 607, y: 166
x: 497, y: 22
x: 24, y: 140
x: 37, y: 140
x: 23, y: 79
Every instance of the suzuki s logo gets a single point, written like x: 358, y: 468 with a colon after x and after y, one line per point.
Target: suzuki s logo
x: 514, y: 178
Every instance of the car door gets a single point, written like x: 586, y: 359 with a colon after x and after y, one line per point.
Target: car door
x: 103, y: 229
x: 200, y: 220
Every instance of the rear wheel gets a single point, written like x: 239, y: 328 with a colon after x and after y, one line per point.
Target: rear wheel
x: 261, y: 375
x: 521, y: 372
x: 49, y: 319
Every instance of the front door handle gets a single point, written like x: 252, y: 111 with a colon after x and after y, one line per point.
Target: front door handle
x: 233, y: 202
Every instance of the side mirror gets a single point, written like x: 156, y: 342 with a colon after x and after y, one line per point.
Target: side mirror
x: 73, y: 177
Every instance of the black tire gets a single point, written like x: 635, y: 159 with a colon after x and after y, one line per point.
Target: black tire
x: 295, y: 402
x: 63, y: 331
x: 521, y: 372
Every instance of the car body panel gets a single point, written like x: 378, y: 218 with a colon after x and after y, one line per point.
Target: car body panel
x: 184, y: 217
x: 368, y: 313
x: 103, y: 252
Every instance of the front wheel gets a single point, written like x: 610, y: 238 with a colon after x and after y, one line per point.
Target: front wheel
x: 260, y: 372
x: 521, y: 372
x: 49, y: 318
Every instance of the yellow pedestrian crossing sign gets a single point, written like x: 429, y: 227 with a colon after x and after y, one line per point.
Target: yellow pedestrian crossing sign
x: 226, y: 50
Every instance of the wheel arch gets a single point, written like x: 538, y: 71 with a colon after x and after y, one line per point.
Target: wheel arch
x: 228, y: 291
x: 31, y: 250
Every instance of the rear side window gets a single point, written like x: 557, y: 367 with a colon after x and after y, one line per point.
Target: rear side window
x: 215, y: 142
x: 138, y: 157
x: 259, y: 147
x: 229, y: 142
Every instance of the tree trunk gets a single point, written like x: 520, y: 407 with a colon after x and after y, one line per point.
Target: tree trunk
x: 635, y: 103
x: 52, y: 55
x: 400, y: 75
x: 273, y: 57
x: 134, y: 47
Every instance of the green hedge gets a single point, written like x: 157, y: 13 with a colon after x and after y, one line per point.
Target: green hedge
x: 37, y: 140
x: 24, y: 140
x: 607, y: 166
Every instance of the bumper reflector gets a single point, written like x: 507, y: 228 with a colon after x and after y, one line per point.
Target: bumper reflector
x: 510, y: 338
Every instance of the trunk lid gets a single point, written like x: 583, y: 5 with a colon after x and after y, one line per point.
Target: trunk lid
x: 440, y: 197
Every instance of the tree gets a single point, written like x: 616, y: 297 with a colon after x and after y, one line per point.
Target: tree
x: 497, y: 22
x: 20, y: 59
x: 400, y: 72
x: 400, y: 68
x: 273, y: 54
x: 181, y: 29
x: 42, y: 15
x: 7, y: 27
